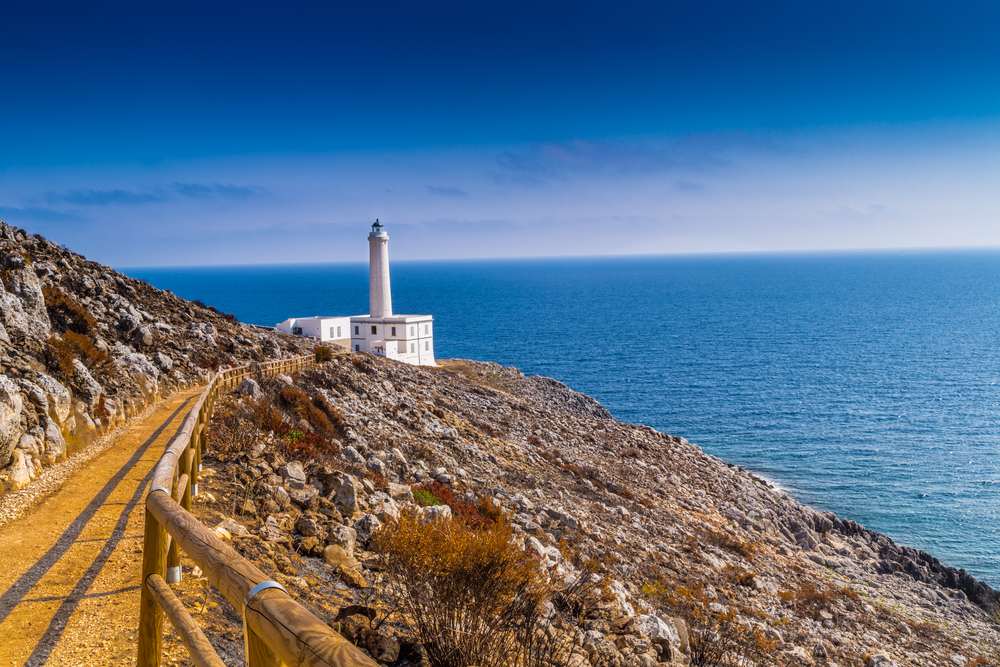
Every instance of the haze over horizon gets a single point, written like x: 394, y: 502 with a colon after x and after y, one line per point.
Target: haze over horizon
x: 248, y: 134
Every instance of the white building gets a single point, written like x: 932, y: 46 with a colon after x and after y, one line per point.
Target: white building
x: 326, y: 329
x: 407, y: 338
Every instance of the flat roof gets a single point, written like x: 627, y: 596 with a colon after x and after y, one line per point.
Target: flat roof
x: 392, y: 318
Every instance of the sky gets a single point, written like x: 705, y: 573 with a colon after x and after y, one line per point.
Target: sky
x: 182, y: 134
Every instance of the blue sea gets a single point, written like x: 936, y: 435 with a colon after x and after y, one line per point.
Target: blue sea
x: 867, y: 384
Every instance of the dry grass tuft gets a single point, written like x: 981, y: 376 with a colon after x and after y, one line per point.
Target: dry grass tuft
x: 811, y: 600
x: 716, y: 638
x: 473, y: 596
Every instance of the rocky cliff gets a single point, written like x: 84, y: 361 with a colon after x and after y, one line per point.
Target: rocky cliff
x: 697, y: 555
x: 82, y: 347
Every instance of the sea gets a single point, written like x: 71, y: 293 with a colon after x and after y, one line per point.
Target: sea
x: 867, y: 384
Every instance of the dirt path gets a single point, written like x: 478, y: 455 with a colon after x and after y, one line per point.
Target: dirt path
x: 70, y: 568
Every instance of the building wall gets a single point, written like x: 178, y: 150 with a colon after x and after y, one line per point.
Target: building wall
x: 326, y: 329
x: 411, y: 342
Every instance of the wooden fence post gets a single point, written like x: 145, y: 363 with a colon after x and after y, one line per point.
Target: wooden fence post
x: 258, y: 653
x: 173, y: 551
x: 150, y: 616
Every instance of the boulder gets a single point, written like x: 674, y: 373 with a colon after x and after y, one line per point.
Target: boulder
x: 233, y: 527
x: 57, y: 395
x: 85, y: 384
x: 365, y: 528
x: 250, y: 388
x: 343, y: 536
x: 294, y: 474
x: 55, y: 443
x: 384, y: 507
x: 11, y: 406
x: 345, y: 490
x: 879, y: 660
x: 346, y: 566
x: 310, y: 525
x: 22, y: 306
x: 163, y: 361
x: 18, y: 474
x: 664, y: 633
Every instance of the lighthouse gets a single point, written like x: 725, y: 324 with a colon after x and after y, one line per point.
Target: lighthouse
x: 379, y: 287
x: 406, y: 338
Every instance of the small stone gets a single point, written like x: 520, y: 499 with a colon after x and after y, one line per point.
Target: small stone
x: 346, y: 566
x: 294, y: 474
x: 365, y: 527
x: 234, y: 528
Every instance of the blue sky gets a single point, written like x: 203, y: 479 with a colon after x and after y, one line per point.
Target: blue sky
x: 245, y: 134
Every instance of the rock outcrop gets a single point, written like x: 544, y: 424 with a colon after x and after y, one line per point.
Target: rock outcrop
x: 82, y: 347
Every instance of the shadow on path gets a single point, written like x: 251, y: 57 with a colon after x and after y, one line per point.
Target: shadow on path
x: 13, y: 595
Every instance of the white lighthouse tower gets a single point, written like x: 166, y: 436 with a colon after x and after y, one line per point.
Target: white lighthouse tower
x: 379, y: 287
x: 406, y: 338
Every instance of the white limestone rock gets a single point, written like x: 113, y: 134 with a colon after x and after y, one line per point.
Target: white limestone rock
x: 11, y: 407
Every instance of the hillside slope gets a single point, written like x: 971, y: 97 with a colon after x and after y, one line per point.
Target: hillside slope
x: 683, y: 535
x: 82, y: 347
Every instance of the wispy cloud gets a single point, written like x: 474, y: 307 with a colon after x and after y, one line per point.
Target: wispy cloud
x: 446, y: 191
x: 104, y: 197
x: 174, y: 191
x: 37, y: 214
x: 549, y: 162
x: 216, y: 191
x: 689, y: 186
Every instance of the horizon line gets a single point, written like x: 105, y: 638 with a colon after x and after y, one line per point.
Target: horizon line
x: 609, y: 256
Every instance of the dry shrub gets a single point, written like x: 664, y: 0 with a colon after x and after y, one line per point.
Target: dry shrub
x: 716, y: 638
x: 472, y: 596
x: 210, y: 359
x: 747, y: 548
x: 422, y: 451
x: 323, y: 353
x: 302, y: 406
x: 268, y: 418
x: 62, y: 350
x: 235, y: 431
x: 66, y: 313
x: 477, y: 514
x: 810, y: 599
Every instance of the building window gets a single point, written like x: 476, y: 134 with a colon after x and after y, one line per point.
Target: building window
x: 357, y: 348
x: 411, y: 331
x: 331, y: 332
x: 394, y: 331
x: 374, y: 329
x: 413, y: 347
x: 297, y: 331
x: 357, y: 331
x: 338, y: 332
x: 427, y: 328
x: 427, y: 345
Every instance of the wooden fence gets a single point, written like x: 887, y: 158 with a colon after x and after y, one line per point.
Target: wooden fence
x: 277, y: 630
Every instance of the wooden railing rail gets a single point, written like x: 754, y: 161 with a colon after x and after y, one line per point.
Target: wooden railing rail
x: 277, y: 629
